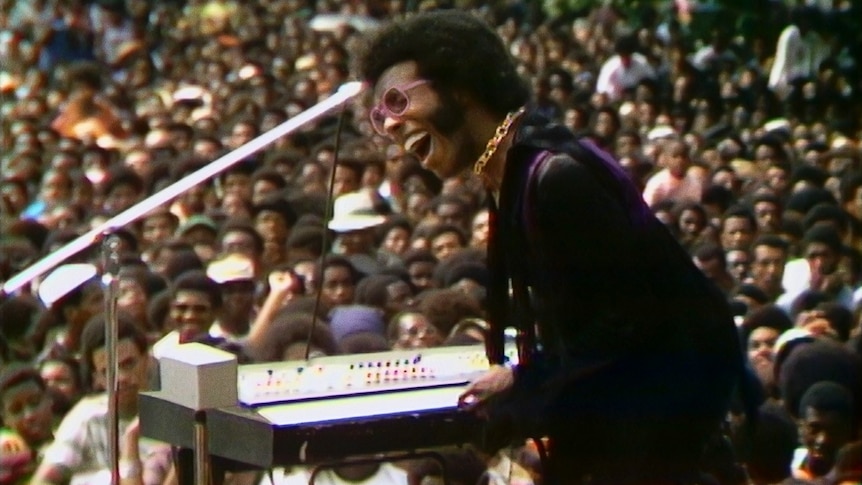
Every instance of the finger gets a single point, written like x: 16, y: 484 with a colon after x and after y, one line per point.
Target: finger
x: 468, y: 400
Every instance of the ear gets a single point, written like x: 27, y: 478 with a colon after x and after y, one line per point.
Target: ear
x: 463, y: 99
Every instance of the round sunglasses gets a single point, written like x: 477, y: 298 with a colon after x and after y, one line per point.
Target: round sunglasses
x: 393, y: 103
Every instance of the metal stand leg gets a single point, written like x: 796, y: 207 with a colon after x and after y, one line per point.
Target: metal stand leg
x: 202, y: 469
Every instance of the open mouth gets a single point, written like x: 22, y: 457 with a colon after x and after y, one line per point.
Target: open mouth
x: 419, y: 145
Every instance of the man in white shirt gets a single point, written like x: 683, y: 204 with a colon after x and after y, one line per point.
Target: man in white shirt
x: 624, y: 70
x: 799, y: 52
x: 80, y: 451
x: 821, y: 251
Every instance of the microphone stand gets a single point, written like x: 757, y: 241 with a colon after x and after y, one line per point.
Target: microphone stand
x: 111, y: 259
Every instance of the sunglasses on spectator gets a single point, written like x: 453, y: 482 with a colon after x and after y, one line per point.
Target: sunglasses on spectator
x: 393, y: 103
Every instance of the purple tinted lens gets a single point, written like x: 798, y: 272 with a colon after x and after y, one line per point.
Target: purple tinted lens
x: 395, y: 101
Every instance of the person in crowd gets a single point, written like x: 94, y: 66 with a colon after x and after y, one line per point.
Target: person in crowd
x: 678, y: 180
x: 348, y: 321
x: 25, y: 413
x: 194, y: 308
x: 199, y: 232
x: 759, y: 331
x: 624, y: 70
x: 445, y: 307
x: 768, y: 211
x: 769, y: 256
x: 355, y: 217
x: 446, y: 241
x: 800, y: 51
x: 411, y: 329
x: 693, y: 225
x: 338, y: 278
x: 738, y: 228
x: 17, y: 317
x: 420, y: 265
x: 158, y: 225
x: 286, y: 338
x: 821, y: 250
x: 55, y: 189
x: 450, y: 209
x: 59, y: 329
x: 389, y: 292
x: 479, y: 230
x: 62, y: 378
x: 771, y: 447
x: 552, y: 190
x: 827, y: 423
x: 273, y: 218
x: 236, y: 278
x: 738, y: 264
x: 80, y: 447
x: 711, y: 260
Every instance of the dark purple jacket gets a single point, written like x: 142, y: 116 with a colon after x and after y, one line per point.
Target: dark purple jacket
x: 627, y: 325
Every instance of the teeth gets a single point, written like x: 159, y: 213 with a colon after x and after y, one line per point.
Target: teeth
x: 413, y: 140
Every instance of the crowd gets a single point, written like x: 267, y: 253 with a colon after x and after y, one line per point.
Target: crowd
x: 748, y: 148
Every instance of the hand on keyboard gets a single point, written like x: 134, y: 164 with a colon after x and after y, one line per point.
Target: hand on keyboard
x: 496, y: 381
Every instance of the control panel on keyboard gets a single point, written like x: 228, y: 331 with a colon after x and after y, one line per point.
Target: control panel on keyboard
x: 359, y: 406
x: 361, y: 373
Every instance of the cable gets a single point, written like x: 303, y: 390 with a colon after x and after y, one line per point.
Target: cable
x: 327, y: 216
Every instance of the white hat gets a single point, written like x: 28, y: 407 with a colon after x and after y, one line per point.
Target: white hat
x: 64, y: 280
x: 661, y: 132
x: 354, y: 211
x: 777, y: 124
x: 190, y: 93
x: 233, y: 267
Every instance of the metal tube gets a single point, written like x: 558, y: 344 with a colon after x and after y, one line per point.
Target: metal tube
x: 110, y: 278
x: 202, y: 470
x: 345, y: 93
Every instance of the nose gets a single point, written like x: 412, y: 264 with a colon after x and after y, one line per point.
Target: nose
x: 821, y: 438
x: 188, y: 315
x: 31, y: 412
x: 123, y: 375
x: 390, y: 124
x: 816, y: 264
x: 764, y: 350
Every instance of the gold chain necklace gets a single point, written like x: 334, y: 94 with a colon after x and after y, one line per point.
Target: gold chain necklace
x: 495, y: 140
